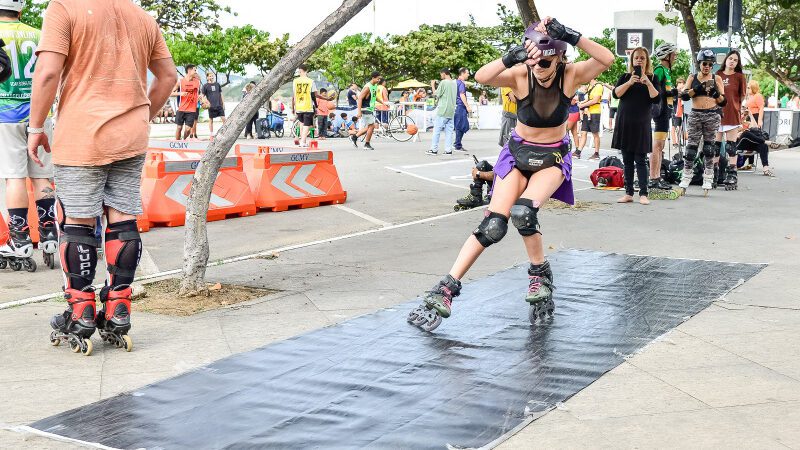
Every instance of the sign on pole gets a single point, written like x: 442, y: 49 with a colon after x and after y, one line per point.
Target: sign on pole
x: 630, y: 38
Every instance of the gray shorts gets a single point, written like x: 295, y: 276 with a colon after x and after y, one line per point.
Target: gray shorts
x: 367, y: 118
x: 84, y: 191
x: 14, y: 159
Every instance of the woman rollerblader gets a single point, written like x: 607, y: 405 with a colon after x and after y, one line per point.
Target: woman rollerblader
x: 534, y: 165
x: 735, y: 88
x: 706, y: 91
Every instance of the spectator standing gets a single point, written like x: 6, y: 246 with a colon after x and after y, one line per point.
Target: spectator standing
x: 15, y: 109
x: 251, y: 124
x: 483, y: 99
x: 99, y: 147
x: 665, y: 54
x: 420, y: 95
x: 509, y: 118
x: 445, y: 93
x: 594, y: 94
x: 367, y: 113
x: 382, y: 104
x: 352, y: 95
x: 632, y: 136
x: 784, y: 101
x: 324, y: 107
x: 212, y: 92
x: 463, y: 110
x: 677, y: 119
x: 188, y: 88
x: 735, y: 90
x: 303, y: 103
x: 755, y: 104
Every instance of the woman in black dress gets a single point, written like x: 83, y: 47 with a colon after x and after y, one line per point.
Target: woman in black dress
x: 632, y: 133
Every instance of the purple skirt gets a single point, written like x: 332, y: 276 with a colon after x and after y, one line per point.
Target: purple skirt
x: 505, y: 162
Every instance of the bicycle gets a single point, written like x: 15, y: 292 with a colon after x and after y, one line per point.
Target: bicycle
x: 396, y: 128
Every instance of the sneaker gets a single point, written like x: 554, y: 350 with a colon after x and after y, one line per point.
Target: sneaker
x: 354, y: 140
x: 448, y: 153
x: 595, y: 156
x: 462, y: 149
x: 368, y: 146
x: 576, y: 154
x: 431, y: 152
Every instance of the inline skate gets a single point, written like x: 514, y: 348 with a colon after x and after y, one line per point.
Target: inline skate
x: 48, y: 243
x: 16, y: 253
x: 77, y: 324
x: 114, y: 319
x: 436, y: 304
x: 540, y: 293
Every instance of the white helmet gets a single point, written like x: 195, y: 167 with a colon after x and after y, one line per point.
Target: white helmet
x: 662, y: 51
x: 12, y: 5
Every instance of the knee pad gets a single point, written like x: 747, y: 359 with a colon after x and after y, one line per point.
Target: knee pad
x: 691, y: 152
x: 123, y: 251
x: 78, y: 251
x: 710, y: 149
x: 523, y: 216
x: 491, y: 229
x: 730, y: 148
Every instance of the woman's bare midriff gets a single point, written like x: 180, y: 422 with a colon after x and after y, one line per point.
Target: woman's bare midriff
x: 704, y: 102
x: 541, y: 135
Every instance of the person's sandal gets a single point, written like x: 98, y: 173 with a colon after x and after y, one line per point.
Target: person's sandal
x: 625, y: 199
x: 644, y: 200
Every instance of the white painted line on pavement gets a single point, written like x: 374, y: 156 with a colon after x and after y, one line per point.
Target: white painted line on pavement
x: 469, y: 160
x: 425, y: 178
x: 366, y: 217
x: 24, y: 429
x: 580, y: 180
x: 45, y: 297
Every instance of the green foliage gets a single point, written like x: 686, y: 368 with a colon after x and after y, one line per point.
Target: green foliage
x: 771, y: 36
x: 619, y: 67
x: 704, y: 12
x: 185, y: 16
x: 509, y: 32
x: 683, y: 63
x: 33, y: 13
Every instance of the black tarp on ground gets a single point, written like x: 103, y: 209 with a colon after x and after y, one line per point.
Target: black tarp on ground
x: 376, y: 381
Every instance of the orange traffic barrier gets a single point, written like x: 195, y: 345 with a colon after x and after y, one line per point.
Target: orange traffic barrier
x: 143, y: 223
x: 4, y: 231
x: 284, y: 180
x: 166, y: 180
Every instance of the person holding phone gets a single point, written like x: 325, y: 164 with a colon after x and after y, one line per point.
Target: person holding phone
x: 636, y: 93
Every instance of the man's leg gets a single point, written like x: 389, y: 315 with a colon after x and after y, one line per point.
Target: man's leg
x: 596, y: 138
x: 178, y: 133
x: 370, y: 131
x: 437, y: 130
x: 656, y: 157
x: 448, y: 135
x: 211, y: 125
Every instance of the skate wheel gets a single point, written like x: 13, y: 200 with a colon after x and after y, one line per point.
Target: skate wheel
x: 128, y: 342
x: 74, y: 345
x: 55, y: 341
x: 87, y: 347
x: 16, y: 266
x: 30, y: 265
x: 3, y: 263
x: 431, y: 321
x: 414, y: 314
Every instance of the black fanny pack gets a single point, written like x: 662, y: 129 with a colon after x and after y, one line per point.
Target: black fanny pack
x: 534, y: 158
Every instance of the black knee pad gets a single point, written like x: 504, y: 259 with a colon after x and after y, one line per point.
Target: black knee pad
x: 78, y: 251
x: 691, y: 152
x: 491, y: 229
x: 523, y: 216
x: 730, y: 148
x: 710, y: 149
x: 123, y: 251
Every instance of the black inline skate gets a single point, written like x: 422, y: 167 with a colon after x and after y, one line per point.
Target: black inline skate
x: 475, y: 198
x: 540, y: 293
x: 48, y: 243
x: 114, y: 320
x: 731, y: 179
x: 17, y: 252
x: 77, y: 324
x: 436, y: 304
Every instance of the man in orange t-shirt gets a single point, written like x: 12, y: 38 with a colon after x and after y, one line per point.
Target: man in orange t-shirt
x: 89, y: 49
x: 188, y: 88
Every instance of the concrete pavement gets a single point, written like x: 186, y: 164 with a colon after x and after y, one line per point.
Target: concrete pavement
x: 729, y: 376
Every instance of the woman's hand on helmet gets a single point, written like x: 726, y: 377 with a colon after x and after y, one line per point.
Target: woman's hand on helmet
x: 556, y: 30
x: 534, y: 53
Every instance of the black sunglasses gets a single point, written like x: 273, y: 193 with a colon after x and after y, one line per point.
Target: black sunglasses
x: 707, y: 64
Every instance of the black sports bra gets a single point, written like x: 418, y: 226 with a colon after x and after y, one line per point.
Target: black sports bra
x: 698, y: 86
x: 544, y: 107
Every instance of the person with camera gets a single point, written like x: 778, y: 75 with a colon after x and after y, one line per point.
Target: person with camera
x: 636, y: 93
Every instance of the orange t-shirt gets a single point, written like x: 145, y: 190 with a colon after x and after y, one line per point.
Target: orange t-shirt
x: 103, y: 109
x: 190, y: 92
x: 755, y: 103
x: 324, y: 106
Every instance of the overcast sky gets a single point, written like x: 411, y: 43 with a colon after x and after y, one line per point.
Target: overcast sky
x: 298, y: 17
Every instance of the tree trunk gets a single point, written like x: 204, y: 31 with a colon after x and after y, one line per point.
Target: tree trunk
x: 784, y: 80
x: 691, y: 27
x: 528, y: 11
x: 195, y: 245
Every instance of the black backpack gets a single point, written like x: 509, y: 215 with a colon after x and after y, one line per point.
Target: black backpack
x: 611, y: 161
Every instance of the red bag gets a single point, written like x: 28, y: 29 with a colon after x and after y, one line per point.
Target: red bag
x: 610, y: 176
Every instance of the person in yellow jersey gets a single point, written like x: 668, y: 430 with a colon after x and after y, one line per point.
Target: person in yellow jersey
x: 509, y: 117
x: 15, y: 164
x: 303, y: 104
x: 594, y: 96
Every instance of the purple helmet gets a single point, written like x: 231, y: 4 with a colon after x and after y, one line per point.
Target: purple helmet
x: 545, y: 43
